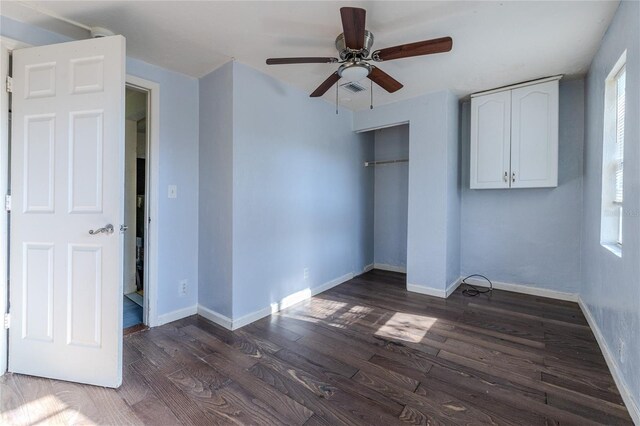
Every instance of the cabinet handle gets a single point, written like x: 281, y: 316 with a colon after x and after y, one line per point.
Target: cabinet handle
x: 513, y: 177
x: 506, y: 177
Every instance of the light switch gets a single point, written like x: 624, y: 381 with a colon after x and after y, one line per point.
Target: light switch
x: 173, y: 191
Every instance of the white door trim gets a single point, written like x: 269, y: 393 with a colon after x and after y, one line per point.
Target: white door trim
x: 5, y: 50
x: 9, y: 44
x: 12, y: 44
x: 153, y: 190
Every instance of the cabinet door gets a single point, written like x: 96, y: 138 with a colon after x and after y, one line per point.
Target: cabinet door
x: 490, y: 140
x: 534, y: 136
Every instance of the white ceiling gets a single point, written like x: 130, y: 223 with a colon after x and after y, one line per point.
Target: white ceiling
x: 494, y: 43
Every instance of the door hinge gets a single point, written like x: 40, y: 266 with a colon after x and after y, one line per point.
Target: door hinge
x: 7, y: 321
x: 7, y: 202
x: 9, y: 84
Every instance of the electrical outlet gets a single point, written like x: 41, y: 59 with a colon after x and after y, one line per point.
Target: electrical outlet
x: 183, y: 287
x: 306, y: 273
x: 173, y: 191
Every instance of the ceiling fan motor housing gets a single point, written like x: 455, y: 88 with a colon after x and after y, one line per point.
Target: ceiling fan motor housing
x: 346, y: 53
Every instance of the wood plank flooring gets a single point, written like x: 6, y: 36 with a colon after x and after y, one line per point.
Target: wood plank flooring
x: 365, y: 352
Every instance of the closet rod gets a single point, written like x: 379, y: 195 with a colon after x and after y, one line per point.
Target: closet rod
x: 377, y: 163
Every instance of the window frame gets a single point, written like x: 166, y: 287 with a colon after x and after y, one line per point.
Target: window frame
x: 612, y: 208
x: 621, y: 74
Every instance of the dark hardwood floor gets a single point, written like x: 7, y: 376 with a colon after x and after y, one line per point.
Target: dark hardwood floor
x: 365, y: 352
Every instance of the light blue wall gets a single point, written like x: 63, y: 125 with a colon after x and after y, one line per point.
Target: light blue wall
x: 611, y: 285
x: 216, y: 195
x: 178, y: 157
x: 391, y: 200
x: 301, y: 196
x: 431, y: 221
x: 177, y: 218
x: 529, y: 236
x: 453, y: 189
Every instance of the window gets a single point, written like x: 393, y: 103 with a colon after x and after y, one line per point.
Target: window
x: 613, y: 159
x: 619, y: 160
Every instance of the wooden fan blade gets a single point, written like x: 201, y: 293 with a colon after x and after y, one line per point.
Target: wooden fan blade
x: 353, y: 20
x: 326, y: 85
x: 427, y: 47
x: 306, y: 60
x: 384, y: 80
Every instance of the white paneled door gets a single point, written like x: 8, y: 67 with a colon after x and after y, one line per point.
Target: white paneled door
x: 67, y: 178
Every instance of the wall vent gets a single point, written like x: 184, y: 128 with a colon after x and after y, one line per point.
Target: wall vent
x: 353, y: 87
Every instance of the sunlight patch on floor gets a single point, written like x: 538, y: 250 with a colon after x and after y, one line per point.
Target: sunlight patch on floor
x: 291, y: 300
x: 407, y: 327
x: 337, y: 314
x: 352, y: 316
x: 323, y: 309
x: 45, y: 410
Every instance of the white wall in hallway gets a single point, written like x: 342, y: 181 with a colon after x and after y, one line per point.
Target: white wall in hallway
x: 130, y: 178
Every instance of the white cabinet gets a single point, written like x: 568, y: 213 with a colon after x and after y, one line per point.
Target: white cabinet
x: 514, y: 137
x: 490, y: 140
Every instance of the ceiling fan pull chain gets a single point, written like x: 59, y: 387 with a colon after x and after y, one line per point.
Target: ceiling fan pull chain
x: 371, y: 105
x: 336, y: 98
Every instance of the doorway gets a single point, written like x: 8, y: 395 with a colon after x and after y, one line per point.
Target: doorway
x: 135, y: 206
x: 391, y: 197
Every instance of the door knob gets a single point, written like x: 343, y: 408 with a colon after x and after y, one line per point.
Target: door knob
x: 106, y: 230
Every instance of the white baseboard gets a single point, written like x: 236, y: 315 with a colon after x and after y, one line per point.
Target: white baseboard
x: 328, y: 285
x: 526, y: 289
x: 292, y: 299
x: 618, y: 377
x: 429, y: 291
x: 368, y: 268
x: 176, y: 315
x: 498, y: 285
x: 453, y: 286
x: 390, y: 268
x: 436, y: 292
x: 211, y: 315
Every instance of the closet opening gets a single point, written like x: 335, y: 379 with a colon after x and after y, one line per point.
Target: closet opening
x: 390, y: 164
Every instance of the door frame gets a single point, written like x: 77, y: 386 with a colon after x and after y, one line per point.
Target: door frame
x: 7, y: 45
x: 152, y: 192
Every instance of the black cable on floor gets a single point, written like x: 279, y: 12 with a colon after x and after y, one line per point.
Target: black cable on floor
x: 471, y: 290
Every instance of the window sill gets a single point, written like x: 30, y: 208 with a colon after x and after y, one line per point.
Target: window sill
x: 613, y: 248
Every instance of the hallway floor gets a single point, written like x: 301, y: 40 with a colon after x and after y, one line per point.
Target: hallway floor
x: 132, y: 313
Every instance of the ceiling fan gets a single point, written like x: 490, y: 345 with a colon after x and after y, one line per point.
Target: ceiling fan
x: 354, y: 47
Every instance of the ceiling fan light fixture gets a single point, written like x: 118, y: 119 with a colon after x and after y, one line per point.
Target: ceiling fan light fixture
x: 354, y: 71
